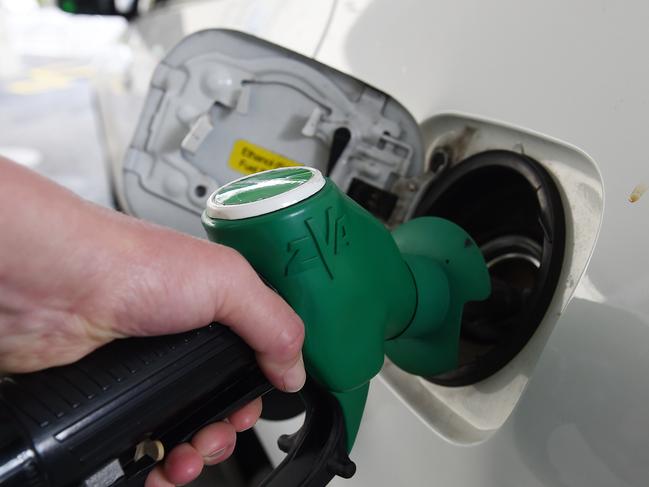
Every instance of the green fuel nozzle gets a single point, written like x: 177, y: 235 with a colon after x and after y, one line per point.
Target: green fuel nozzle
x: 361, y: 291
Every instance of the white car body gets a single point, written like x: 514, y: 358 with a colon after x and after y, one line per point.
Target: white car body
x: 571, y: 408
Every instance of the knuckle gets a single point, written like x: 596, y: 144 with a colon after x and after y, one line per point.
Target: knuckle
x: 290, y: 340
x: 234, y: 258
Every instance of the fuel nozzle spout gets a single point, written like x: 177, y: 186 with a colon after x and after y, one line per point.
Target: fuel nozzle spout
x: 448, y: 271
x: 361, y: 291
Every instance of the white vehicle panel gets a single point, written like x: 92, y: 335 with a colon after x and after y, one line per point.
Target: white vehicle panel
x: 574, y: 71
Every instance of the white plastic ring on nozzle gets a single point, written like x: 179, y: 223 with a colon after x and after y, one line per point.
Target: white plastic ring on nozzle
x: 264, y: 194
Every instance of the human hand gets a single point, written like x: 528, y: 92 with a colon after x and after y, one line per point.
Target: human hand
x: 74, y: 276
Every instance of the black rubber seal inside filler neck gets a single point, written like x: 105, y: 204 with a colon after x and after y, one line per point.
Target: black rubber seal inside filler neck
x: 512, y: 208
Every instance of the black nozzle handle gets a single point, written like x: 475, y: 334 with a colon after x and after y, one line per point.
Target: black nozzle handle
x: 79, y: 418
x: 80, y: 424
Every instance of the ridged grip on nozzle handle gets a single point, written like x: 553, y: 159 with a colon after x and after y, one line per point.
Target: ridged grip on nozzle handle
x: 78, y: 418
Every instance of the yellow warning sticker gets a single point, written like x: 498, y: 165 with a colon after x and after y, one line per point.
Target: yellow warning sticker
x: 248, y: 158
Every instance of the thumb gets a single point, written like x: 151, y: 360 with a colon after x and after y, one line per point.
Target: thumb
x: 263, y: 319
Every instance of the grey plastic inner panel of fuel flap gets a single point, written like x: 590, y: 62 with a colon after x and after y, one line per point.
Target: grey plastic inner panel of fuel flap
x: 219, y: 86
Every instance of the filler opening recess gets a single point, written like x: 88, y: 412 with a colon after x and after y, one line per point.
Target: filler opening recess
x: 511, y: 207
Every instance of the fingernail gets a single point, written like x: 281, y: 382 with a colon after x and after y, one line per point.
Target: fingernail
x: 215, y: 454
x: 295, y: 377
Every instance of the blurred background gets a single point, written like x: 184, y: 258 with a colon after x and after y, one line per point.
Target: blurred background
x: 52, y: 68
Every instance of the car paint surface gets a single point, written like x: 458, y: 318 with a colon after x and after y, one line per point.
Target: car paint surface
x: 576, y: 71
